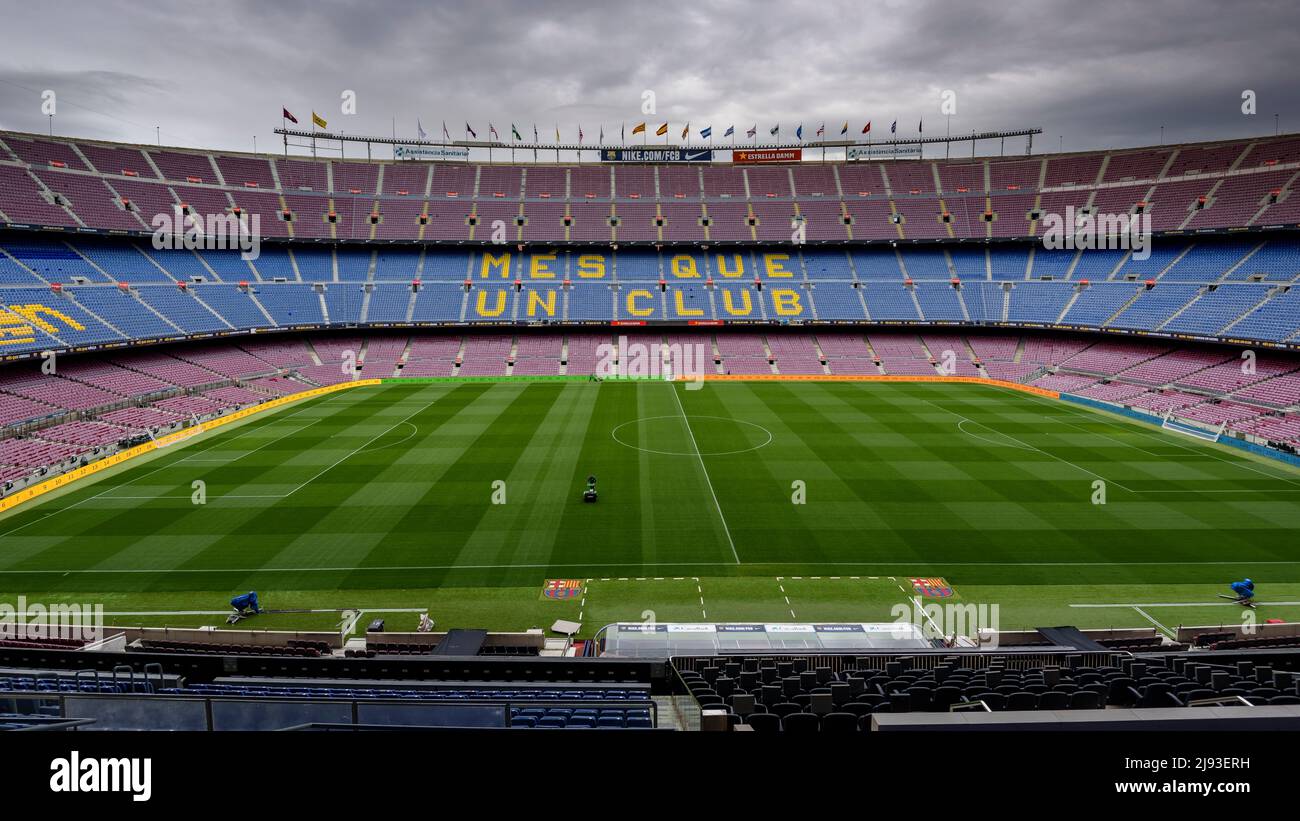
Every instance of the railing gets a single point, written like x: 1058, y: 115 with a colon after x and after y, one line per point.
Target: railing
x: 207, y: 713
x: 914, y: 659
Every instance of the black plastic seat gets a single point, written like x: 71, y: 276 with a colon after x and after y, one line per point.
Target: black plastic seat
x: 764, y: 722
x: 839, y: 723
x: 1053, y: 700
x: 801, y: 723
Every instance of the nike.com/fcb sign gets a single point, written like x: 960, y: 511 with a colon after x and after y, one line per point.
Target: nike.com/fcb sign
x: 656, y: 155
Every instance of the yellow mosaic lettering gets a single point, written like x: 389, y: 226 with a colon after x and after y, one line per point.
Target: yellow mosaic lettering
x: 14, y: 330
x: 491, y: 261
x: 786, y: 302
x: 774, y: 266
x: 35, y: 314
x: 633, y: 296
x: 591, y: 266
x: 481, y: 308
x: 683, y: 267
x: 724, y: 271
x: 682, y: 310
x: 538, y: 266
x: 728, y: 303
x: 547, y: 302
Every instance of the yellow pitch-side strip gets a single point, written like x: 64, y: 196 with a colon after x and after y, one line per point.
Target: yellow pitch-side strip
x: 813, y: 377
x: 65, y: 479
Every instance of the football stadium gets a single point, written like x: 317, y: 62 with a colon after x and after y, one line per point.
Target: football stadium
x: 833, y: 427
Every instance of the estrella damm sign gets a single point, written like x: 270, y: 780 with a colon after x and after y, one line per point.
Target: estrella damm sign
x: 562, y: 589
x: 19, y: 323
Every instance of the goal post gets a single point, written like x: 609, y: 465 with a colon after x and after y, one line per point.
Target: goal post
x: 1170, y: 422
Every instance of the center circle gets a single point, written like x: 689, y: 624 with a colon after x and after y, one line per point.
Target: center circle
x: 682, y: 421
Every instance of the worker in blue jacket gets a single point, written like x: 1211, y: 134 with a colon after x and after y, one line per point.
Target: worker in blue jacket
x: 1245, y: 591
x: 245, y: 603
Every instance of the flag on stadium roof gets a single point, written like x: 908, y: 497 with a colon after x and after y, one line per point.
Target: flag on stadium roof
x: 844, y: 129
x: 920, y: 126
x: 471, y: 131
x: 776, y: 129
x: 622, y: 132
x: 317, y: 119
x: 866, y: 129
x: 686, y: 130
x: 514, y: 133
x: 638, y: 128
x: 731, y: 129
x: 557, y: 132
x: 798, y: 132
x: 893, y: 127
x: 752, y: 130
x: 706, y: 132
x: 662, y: 130
x: 284, y: 112
x: 536, y: 139
x: 493, y: 131
x: 419, y: 129
x: 579, y: 133
x: 602, y: 134
x: 822, y: 130
x: 446, y: 135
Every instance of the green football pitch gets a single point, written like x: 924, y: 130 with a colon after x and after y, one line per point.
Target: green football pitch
x: 741, y: 501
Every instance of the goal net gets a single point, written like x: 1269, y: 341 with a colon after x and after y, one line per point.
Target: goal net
x: 1170, y: 423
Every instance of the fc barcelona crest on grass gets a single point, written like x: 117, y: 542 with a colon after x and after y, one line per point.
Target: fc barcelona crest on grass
x: 562, y: 589
x: 932, y: 588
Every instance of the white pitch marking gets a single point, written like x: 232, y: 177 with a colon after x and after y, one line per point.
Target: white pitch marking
x: 227, y: 612
x: 1188, y: 604
x: 390, y: 568
x: 1158, y: 625
x: 709, y: 481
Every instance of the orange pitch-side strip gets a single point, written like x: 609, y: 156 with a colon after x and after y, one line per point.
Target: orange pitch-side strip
x: 65, y: 479
x: 812, y: 377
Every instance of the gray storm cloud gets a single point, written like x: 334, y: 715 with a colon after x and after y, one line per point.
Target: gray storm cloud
x: 1091, y: 75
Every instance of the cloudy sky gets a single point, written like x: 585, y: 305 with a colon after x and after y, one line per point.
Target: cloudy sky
x: 1091, y: 75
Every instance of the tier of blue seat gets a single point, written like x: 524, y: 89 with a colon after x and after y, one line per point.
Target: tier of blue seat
x: 89, y: 291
